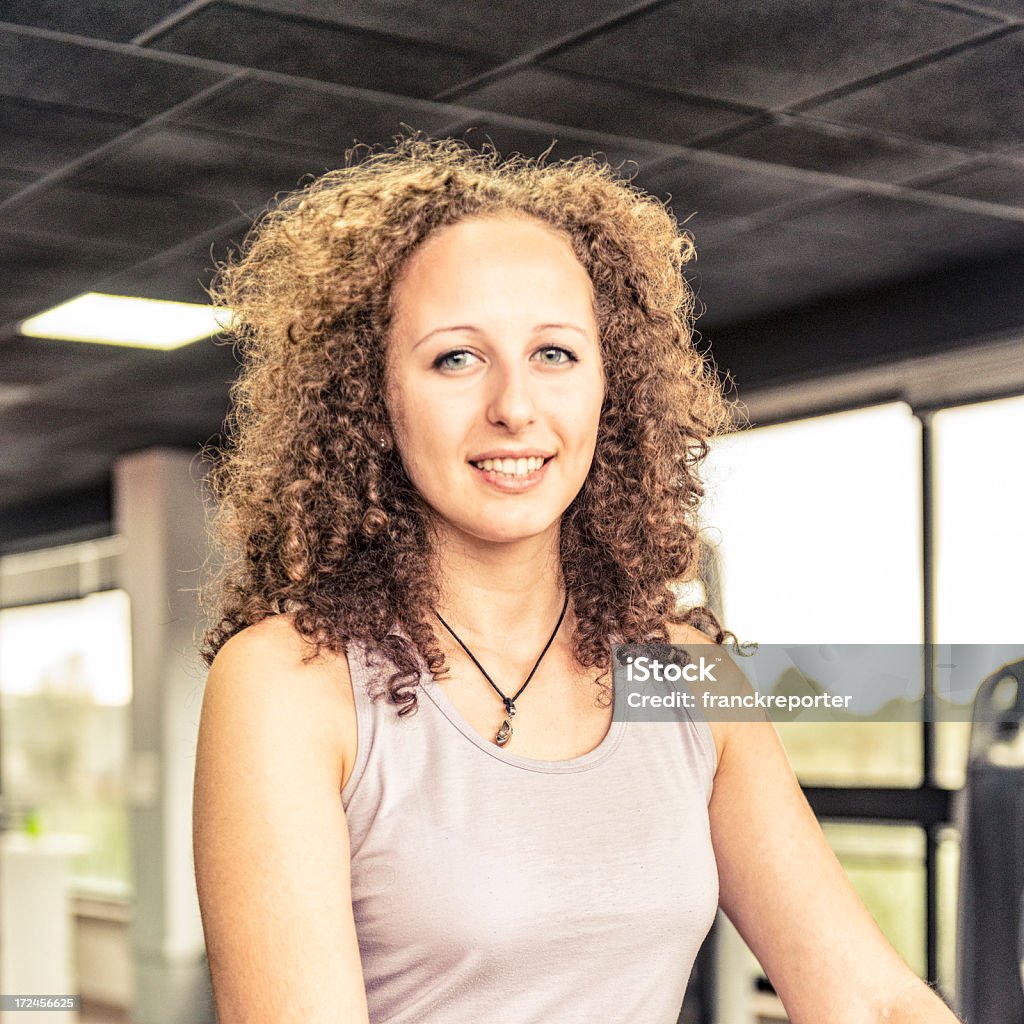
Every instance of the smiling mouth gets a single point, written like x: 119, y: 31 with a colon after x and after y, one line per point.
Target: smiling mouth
x: 512, y: 468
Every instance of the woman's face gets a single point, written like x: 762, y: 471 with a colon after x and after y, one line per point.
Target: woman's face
x: 495, y: 375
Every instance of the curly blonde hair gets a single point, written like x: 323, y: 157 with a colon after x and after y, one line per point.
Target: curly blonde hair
x: 319, y: 521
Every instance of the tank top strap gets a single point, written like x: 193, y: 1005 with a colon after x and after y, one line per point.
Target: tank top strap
x: 366, y: 667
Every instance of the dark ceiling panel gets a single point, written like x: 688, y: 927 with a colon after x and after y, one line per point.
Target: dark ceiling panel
x: 12, y: 395
x: 313, y: 115
x: 39, y: 137
x: 62, y: 455
x: 704, y: 186
x: 36, y: 425
x: 174, y: 416
x: 296, y: 46
x: 992, y: 183
x: 798, y: 262
x: 509, y: 28
x: 178, y: 397
x: 115, y: 82
x: 777, y: 267
x: 769, y: 54
x: 739, y: 293
x: 1013, y: 8
x: 941, y: 311
x: 12, y: 183
x: 938, y: 235
x: 29, y: 521
x: 42, y: 362
x: 532, y: 142
x: 62, y: 473
x: 187, y: 161
x: 932, y: 102
x: 49, y: 270
x: 836, y: 149
x: 707, y: 230
x: 98, y: 19
x: 182, y: 274
x: 549, y: 95
x: 139, y: 217
x: 64, y: 460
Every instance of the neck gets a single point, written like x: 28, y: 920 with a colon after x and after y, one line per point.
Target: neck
x: 499, y: 594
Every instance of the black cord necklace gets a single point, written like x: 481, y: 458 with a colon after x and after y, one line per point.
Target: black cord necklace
x: 504, y: 734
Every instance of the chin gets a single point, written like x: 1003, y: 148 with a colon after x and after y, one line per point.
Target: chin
x: 508, y: 533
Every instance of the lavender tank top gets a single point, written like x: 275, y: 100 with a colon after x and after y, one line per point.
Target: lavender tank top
x: 491, y: 886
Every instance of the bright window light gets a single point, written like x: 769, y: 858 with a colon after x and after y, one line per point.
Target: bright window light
x: 123, y: 320
x: 818, y: 528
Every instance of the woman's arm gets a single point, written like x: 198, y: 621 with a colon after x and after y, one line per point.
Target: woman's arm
x: 790, y: 899
x: 270, y: 839
x: 783, y: 888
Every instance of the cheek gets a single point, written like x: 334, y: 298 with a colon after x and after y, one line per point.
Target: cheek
x: 393, y: 399
x: 428, y: 440
x: 410, y: 415
x: 589, y: 406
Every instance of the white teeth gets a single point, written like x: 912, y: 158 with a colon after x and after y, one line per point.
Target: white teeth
x: 511, y: 467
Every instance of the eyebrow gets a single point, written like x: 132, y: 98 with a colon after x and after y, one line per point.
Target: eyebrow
x: 479, y: 331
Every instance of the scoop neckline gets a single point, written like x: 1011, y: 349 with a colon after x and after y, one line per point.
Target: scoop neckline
x: 612, y: 738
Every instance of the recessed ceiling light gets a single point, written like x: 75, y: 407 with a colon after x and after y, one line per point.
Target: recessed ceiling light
x: 124, y: 320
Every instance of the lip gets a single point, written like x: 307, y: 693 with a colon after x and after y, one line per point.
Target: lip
x: 510, y: 484
x: 508, y: 453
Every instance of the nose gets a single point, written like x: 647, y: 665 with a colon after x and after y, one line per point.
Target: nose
x: 511, y: 403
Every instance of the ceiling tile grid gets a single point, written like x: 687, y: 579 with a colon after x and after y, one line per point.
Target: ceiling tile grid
x: 186, y: 161
x: 646, y: 113
x: 509, y: 28
x: 994, y: 181
x: 814, y: 149
x: 771, y: 54
x: 38, y: 137
x: 974, y: 99
x: 103, y: 79
x: 98, y: 19
x: 306, y: 48
x: 312, y: 113
x: 801, y: 142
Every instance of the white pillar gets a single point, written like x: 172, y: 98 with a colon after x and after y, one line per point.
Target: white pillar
x: 35, y: 921
x: 159, y: 511
x: 735, y: 974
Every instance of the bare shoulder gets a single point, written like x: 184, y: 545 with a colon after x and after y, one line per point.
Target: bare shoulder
x: 274, y: 638
x: 270, y: 836
x: 682, y: 633
x: 268, y: 663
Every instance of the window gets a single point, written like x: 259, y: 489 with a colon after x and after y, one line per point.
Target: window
x: 65, y: 692
x: 979, y: 555
x: 879, y: 525
x: 818, y: 529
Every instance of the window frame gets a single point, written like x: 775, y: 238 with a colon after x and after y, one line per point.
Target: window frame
x: 929, y: 806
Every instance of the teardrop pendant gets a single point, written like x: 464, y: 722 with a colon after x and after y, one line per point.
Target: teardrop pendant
x: 504, y: 734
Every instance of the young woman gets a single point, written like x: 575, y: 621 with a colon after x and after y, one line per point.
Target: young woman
x: 464, y: 461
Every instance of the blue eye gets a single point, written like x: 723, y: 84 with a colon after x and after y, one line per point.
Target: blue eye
x: 444, y: 361
x: 458, y: 359
x: 570, y: 358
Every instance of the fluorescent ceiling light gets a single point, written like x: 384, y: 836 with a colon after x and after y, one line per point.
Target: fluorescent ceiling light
x: 123, y: 320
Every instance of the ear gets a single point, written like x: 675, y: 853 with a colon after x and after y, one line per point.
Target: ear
x: 380, y: 436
